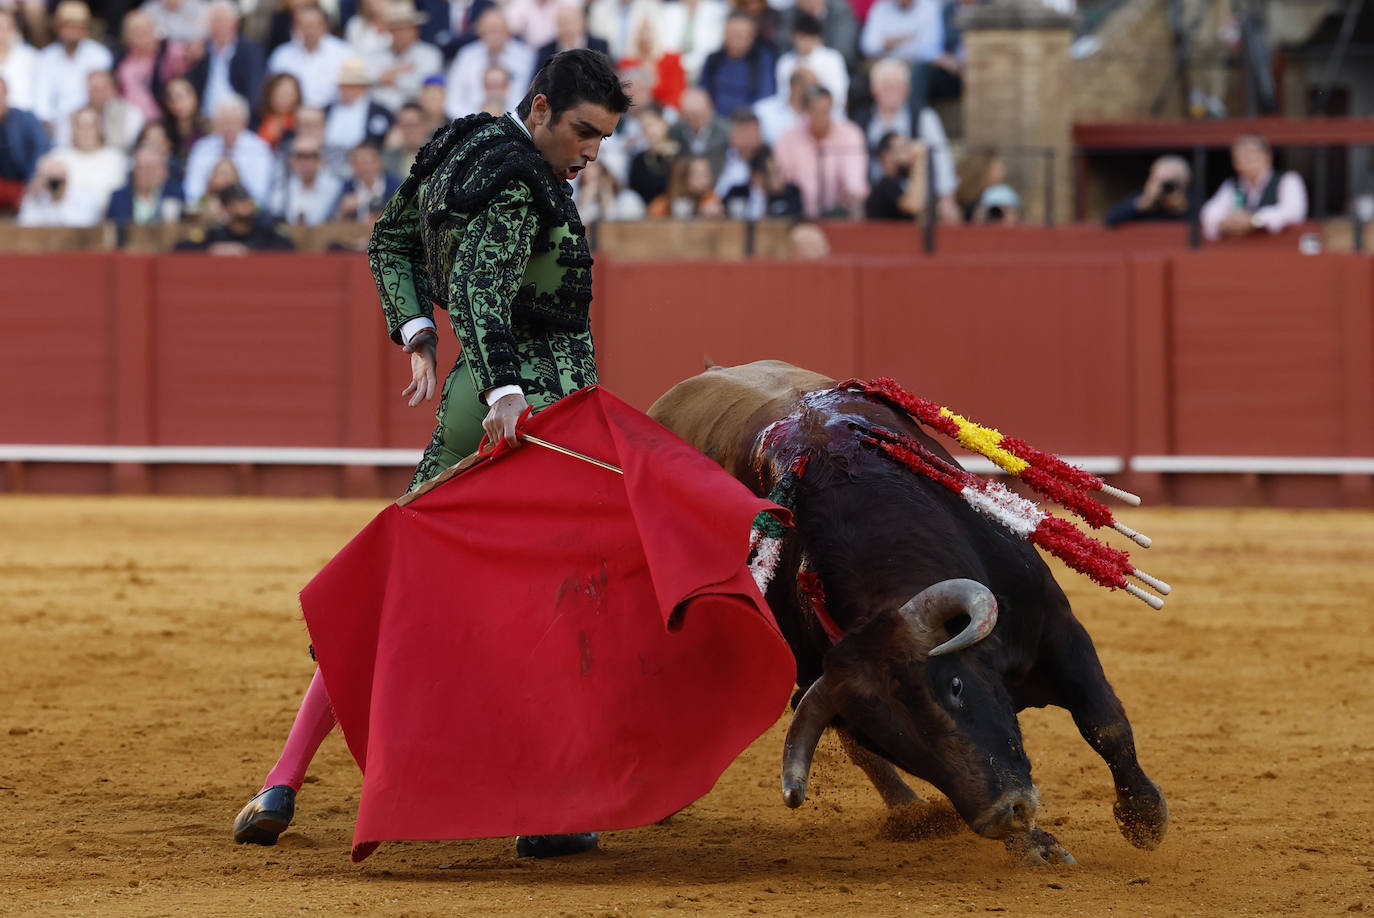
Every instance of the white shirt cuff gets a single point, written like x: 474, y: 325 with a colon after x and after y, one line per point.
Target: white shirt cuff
x: 413, y: 327
x: 501, y: 392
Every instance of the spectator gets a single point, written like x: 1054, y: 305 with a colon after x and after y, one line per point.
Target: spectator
x: 184, y: 123
x: 452, y: 22
x: 767, y: 195
x: 980, y: 169
x: 889, y: 81
x: 617, y: 22
x: 366, y: 193
x: 914, y: 31
x: 182, y: 21
x: 998, y: 204
x: 207, y: 208
x: 18, y: 62
x: 662, y: 69
x: 313, y: 56
x: 281, y: 100
x: 146, y: 64
x: 1164, y: 197
x: 407, y: 136
x: 432, y: 97
x: 699, y: 131
x: 689, y: 193
x: 825, y: 156
x: 808, y: 242
x: 227, y: 62
x: 154, y: 137
x: 231, y: 140
x: 244, y: 229
x: 600, y: 197
x: 60, y: 78
x: 92, y: 165
x: 743, y: 71
x: 693, y: 29
x: 570, y: 32
x: 495, y: 91
x: 778, y: 112
x: 497, y: 47
x: 51, y: 200
x: 839, y: 27
x: 310, y: 192
x: 745, y: 142
x: 900, y: 192
x: 826, y: 63
x: 535, y: 22
x: 22, y: 143
x: 366, y: 32
x: 151, y: 197
x: 1258, y: 198
x: 651, y: 166
x: 403, y: 68
x: 354, y: 118
x: 120, y: 121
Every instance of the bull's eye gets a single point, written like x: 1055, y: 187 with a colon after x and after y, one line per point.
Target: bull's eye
x: 956, y: 688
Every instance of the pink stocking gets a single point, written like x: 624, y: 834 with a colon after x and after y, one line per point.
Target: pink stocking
x: 313, y: 723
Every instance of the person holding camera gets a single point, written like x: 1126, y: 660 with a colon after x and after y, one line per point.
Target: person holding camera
x: 1164, y: 197
x: 52, y: 200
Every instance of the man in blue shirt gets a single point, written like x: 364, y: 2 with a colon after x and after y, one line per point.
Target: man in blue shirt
x: 743, y: 71
x: 22, y: 142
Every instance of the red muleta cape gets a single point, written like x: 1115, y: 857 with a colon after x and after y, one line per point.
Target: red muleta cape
x: 539, y: 645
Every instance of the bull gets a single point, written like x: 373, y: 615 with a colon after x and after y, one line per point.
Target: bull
x: 937, y: 626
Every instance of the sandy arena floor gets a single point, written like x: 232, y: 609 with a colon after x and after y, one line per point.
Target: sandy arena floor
x: 153, y: 657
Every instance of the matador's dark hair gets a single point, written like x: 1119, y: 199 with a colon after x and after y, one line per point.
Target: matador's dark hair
x: 573, y: 76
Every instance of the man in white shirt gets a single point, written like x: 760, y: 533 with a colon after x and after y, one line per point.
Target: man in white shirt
x: 310, y: 192
x: 183, y: 21
x: 355, y: 118
x: 890, y: 83
x: 495, y: 47
x: 401, y: 70
x: 808, y: 51
x: 312, y: 56
x: 909, y: 30
x: 778, y: 112
x: 18, y: 62
x: 617, y: 21
x: 120, y: 120
x: 1258, y: 198
x: 231, y: 140
x: 60, y: 79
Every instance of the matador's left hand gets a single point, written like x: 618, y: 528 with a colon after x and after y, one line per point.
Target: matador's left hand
x: 423, y: 351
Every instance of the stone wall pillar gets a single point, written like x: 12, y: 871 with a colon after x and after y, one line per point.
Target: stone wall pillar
x: 1018, y: 97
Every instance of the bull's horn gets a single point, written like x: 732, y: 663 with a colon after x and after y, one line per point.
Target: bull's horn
x: 814, y: 714
x: 929, y: 609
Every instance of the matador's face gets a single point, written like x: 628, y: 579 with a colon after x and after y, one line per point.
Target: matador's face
x: 572, y: 140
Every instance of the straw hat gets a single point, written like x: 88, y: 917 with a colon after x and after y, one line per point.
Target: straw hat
x: 73, y: 11
x: 402, y: 13
x: 353, y: 72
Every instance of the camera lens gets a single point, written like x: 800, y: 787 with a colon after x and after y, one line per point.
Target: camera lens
x: 1169, y: 187
x: 995, y: 214
x: 54, y: 184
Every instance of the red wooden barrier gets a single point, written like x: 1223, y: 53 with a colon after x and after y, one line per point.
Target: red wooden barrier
x: 1212, y: 352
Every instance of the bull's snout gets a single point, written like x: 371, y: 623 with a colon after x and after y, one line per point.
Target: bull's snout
x: 1012, y: 814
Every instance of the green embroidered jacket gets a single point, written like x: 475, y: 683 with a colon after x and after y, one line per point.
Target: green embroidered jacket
x: 483, y: 229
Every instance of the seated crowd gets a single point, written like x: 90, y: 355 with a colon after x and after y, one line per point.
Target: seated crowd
x: 312, y: 110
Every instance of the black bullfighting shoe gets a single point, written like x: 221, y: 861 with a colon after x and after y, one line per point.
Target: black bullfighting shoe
x: 554, y: 845
x: 265, y: 816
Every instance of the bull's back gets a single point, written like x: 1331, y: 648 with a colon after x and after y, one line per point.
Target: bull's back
x: 722, y: 410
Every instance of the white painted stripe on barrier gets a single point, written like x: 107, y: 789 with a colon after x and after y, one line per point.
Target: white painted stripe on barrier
x: 1258, y: 465
x: 209, y: 455
x: 1096, y: 465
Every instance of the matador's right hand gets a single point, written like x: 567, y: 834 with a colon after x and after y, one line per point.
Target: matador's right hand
x: 503, y: 417
x: 423, y: 351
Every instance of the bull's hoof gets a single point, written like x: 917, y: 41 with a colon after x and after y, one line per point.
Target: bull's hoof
x: 1038, y: 848
x: 541, y: 846
x: 265, y: 816
x: 1143, y: 816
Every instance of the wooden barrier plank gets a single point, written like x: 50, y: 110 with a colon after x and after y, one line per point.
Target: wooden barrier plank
x: 1034, y: 346
x: 1258, y: 350
x: 131, y: 317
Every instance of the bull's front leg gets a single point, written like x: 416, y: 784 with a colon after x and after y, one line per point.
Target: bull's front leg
x: 1069, y: 675
x: 880, y: 771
